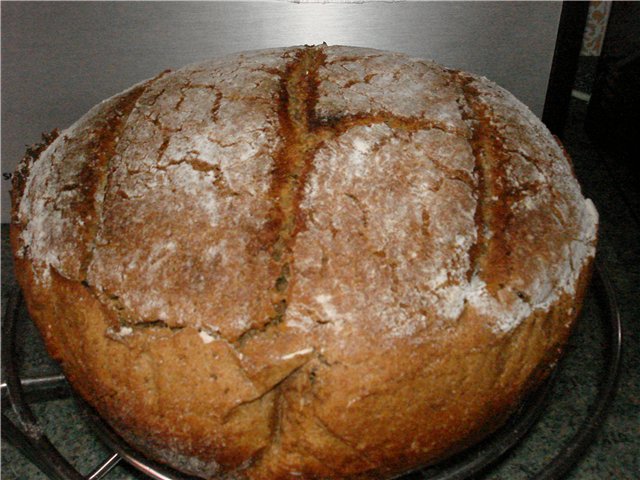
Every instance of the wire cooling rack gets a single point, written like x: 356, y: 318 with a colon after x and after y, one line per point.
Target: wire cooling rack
x: 28, y: 436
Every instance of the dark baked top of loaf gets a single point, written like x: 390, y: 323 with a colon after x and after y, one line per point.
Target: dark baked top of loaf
x: 333, y: 188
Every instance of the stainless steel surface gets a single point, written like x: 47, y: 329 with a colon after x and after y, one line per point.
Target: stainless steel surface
x: 40, y: 385
x: 59, y: 58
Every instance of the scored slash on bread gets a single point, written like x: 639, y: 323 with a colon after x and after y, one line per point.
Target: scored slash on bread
x: 321, y: 262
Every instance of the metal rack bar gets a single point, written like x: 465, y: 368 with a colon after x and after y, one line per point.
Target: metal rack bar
x: 105, y: 467
x: 40, y: 389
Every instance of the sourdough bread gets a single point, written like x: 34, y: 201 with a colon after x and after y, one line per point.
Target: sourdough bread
x: 313, y: 262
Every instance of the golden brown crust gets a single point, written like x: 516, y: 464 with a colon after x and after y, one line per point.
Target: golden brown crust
x: 318, y: 262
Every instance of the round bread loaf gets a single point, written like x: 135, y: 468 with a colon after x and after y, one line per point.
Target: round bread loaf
x: 314, y: 262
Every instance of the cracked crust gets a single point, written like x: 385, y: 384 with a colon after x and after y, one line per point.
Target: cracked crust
x: 315, y: 262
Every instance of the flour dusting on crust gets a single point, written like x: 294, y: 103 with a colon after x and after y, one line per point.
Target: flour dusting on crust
x: 327, y: 260
x: 389, y: 207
